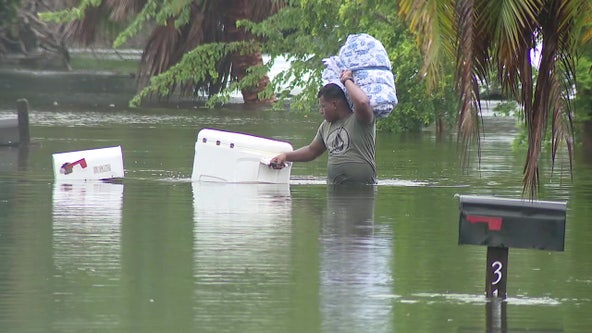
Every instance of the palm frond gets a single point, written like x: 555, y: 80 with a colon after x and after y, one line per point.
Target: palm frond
x: 466, y: 79
x: 433, y: 23
x: 553, y: 86
x: 499, y: 37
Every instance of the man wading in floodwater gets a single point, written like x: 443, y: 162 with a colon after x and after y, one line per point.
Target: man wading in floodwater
x: 348, y: 135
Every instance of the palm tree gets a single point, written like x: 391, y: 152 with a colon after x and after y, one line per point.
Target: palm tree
x: 207, y: 21
x: 498, y: 37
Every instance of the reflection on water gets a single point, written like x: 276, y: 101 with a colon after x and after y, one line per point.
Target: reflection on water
x: 87, y: 222
x: 258, y: 206
x: 355, y: 263
x: 13, y: 158
x: 242, y: 237
x: 86, y: 250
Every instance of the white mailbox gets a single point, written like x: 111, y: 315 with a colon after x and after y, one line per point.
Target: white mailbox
x: 222, y: 156
x: 93, y: 164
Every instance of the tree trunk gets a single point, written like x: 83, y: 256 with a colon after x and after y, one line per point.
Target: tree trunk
x: 440, y: 126
x: 240, y: 63
x: 237, y: 10
x: 33, y: 43
x: 587, y: 137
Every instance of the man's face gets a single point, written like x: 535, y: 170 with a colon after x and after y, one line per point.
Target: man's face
x: 328, y: 108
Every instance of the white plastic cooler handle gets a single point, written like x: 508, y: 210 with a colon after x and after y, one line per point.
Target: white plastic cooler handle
x: 266, y: 160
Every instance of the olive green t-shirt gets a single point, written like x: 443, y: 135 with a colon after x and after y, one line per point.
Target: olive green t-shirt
x: 351, y: 146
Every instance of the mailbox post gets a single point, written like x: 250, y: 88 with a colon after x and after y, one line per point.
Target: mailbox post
x: 496, y: 272
x: 500, y: 223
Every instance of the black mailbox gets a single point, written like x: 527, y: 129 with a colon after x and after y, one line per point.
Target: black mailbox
x: 505, y: 223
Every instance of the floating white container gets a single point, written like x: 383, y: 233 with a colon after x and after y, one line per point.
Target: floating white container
x: 222, y: 156
x: 93, y: 164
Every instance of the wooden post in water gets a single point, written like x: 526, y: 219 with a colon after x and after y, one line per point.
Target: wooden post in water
x: 22, y: 107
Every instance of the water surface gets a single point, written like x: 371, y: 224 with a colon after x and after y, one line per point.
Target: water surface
x: 159, y: 253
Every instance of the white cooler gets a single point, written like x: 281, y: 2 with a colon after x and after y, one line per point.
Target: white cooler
x: 222, y: 156
x: 93, y: 164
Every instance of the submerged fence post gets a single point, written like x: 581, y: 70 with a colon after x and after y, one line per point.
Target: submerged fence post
x: 22, y: 107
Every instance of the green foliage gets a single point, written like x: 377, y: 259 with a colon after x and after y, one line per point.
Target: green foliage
x: 303, y: 33
x: 70, y: 14
x: 178, y: 9
x: 148, y: 11
x: 197, y: 65
x: 303, y: 43
x: 7, y: 12
x: 315, y: 29
x: 507, y: 108
x: 485, y: 37
x: 583, y: 101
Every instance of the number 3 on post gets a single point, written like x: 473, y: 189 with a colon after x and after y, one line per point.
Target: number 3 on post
x: 496, y: 277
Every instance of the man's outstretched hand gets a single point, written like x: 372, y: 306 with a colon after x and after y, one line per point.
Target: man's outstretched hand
x: 278, y: 162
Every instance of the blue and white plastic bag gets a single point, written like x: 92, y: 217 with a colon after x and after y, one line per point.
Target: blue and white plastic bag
x: 366, y: 57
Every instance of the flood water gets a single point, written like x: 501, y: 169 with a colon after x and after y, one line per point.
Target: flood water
x: 159, y: 253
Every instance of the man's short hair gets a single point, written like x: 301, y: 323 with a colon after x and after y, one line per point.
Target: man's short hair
x: 331, y: 91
